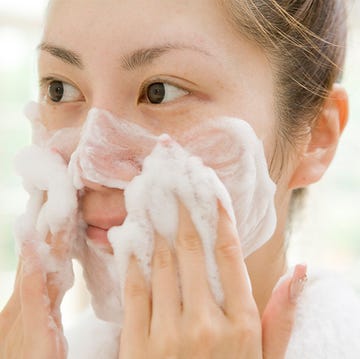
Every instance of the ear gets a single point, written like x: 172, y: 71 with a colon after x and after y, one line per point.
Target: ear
x: 323, y: 140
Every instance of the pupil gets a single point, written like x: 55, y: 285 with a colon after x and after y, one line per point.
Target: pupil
x: 156, y: 92
x: 56, y: 91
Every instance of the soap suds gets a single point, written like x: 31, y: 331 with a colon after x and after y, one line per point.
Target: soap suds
x: 110, y: 151
x: 152, y: 206
x: 50, y: 215
x: 231, y: 147
x: 219, y: 160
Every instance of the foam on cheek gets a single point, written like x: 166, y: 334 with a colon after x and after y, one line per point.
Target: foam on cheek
x: 64, y: 140
x: 231, y: 147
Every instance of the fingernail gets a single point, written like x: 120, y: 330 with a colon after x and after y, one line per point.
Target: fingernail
x: 298, y: 282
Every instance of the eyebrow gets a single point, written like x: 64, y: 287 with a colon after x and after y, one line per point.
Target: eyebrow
x: 145, y: 56
x: 138, y: 58
x: 67, y: 56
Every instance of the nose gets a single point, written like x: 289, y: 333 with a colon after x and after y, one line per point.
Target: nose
x: 111, y: 150
x: 102, y: 207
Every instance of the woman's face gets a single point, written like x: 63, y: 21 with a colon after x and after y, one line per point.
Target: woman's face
x: 164, y: 65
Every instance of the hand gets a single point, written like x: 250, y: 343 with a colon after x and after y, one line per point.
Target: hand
x: 30, y: 324
x: 162, y: 323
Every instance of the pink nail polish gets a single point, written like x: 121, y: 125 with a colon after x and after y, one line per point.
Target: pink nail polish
x: 298, y: 282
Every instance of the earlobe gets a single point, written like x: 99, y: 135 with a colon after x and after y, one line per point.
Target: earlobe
x: 323, y: 140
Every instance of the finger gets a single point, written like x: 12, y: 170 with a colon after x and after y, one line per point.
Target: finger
x: 195, y: 290
x: 18, y: 276
x: 279, y: 315
x: 59, y: 245
x: 14, y: 338
x: 57, y: 282
x: 14, y: 305
x: 232, y: 268
x: 166, y: 303
x: 33, y: 292
x: 43, y: 336
x: 59, y: 250
x: 137, y: 306
x: 55, y: 294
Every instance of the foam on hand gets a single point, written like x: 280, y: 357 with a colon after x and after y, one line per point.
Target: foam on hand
x: 152, y: 206
x: 220, y: 160
x: 51, y: 212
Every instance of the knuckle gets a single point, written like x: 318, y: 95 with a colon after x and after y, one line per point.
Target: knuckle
x: 135, y: 290
x: 190, y: 242
x: 162, y: 257
x: 166, y: 346
x: 202, y: 334
x: 251, y: 331
x: 247, y: 330
x: 228, y: 249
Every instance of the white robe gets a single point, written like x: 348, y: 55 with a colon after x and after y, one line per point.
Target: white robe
x: 327, y: 326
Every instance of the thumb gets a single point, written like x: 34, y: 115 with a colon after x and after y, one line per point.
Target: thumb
x: 279, y: 315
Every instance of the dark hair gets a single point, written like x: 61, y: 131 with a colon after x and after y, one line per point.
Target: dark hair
x: 306, y: 41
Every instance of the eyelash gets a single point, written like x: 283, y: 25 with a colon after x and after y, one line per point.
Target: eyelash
x: 144, y: 87
x: 45, y: 82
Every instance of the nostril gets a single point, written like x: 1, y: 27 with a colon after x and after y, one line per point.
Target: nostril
x: 93, y: 186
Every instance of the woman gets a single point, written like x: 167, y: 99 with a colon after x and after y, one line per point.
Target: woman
x: 168, y: 67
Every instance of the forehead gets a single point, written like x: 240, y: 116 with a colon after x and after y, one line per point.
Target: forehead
x: 123, y: 25
x: 114, y: 17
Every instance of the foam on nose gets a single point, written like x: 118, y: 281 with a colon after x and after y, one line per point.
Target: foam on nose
x: 111, y: 150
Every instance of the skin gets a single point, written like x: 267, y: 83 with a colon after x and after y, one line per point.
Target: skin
x: 217, y: 73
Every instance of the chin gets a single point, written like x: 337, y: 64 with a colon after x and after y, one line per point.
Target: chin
x: 99, y: 274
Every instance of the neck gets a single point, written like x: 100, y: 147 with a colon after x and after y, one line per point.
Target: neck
x: 265, y: 267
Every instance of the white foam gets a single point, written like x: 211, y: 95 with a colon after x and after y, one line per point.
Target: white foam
x: 64, y: 140
x: 152, y: 205
x: 110, y: 151
x: 230, y: 146
x: 51, y: 212
x: 230, y: 150
x: 219, y: 159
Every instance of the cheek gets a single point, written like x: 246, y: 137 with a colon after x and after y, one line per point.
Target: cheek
x: 232, y: 149
x: 58, y: 129
x: 255, y: 105
x: 58, y: 116
x: 64, y: 141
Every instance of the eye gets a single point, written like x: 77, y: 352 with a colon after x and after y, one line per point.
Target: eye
x: 161, y: 92
x: 59, y: 91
